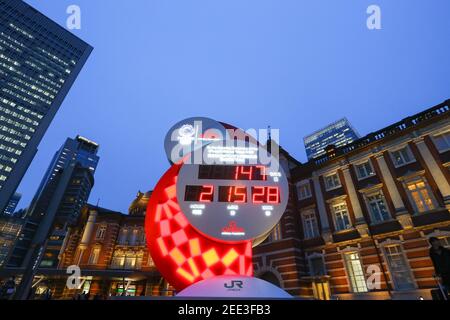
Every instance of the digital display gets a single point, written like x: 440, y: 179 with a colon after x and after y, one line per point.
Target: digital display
x: 233, y: 194
x: 199, y: 193
x: 233, y: 200
x: 265, y: 195
x: 229, y: 172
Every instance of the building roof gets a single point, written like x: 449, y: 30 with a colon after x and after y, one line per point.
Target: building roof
x: 138, y: 206
x: 308, y: 137
x: 392, y: 131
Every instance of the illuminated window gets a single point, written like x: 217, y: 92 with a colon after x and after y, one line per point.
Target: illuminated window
x: 310, y: 226
x: 127, y: 260
x: 118, y: 260
x: 130, y: 290
x: 364, y: 170
x: 130, y: 262
x: 86, y: 286
x: 421, y: 195
x: 355, y: 272
x: 95, y: 254
x: 341, y: 217
x: 321, y: 289
x: 442, y: 142
x: 332, y: 182
x: 402, y: 157
x: 398, y: 268
x: 304, y: 190
x: 377, y: 207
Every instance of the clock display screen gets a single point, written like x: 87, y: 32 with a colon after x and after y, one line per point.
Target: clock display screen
x: 233, y: 194
x: 229, y: 172
x: 233, y: 202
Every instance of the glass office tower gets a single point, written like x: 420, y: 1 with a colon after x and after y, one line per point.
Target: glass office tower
x: 10, y: 230
x: 80, y: 150
x: 12, y: 204
x: 39, y: 62
x: 64, y: 190
x: 338, y: 134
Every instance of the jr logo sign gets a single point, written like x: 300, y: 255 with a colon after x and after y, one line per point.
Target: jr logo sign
x: 234, y: 285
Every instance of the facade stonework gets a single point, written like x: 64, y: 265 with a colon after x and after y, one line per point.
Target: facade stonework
x: 363, y: 214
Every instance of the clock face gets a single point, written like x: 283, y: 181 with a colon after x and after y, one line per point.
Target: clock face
x: 233, y: 202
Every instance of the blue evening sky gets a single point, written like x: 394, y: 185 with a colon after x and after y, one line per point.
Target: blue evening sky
x: 294, y: 64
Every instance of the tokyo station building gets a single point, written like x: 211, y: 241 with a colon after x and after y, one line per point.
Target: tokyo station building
x: 366, y: 210
x: 360, y: 212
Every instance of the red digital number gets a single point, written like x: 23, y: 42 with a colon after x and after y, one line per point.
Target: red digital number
x: 259, y: 194
x: 207, y: 194
x: 236, y: 173
x: 273, y: 195
x: 262, y: 172
x: 265, y: 195
x: 243, y: 171
x: 237, y: 194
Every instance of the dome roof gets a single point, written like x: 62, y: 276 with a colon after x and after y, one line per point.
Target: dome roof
x: 139, y: 205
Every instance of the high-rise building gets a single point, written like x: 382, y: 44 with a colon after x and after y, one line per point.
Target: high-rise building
x: 64, y: 190
x: 10, y: 228
x: 12, y: 204
x: 338, y: 133
x: 39, y: 62
x: 81, y: 150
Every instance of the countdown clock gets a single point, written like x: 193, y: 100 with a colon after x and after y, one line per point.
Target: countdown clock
x: 233, y: 202
x: 205, y: 215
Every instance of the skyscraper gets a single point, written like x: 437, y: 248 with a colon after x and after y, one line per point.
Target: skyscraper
x: 12, y: 204
x: 80, y: 150
x: 338, y: 133
x: 10, y: 229
x: 64, y: 190
x: 39, y: 62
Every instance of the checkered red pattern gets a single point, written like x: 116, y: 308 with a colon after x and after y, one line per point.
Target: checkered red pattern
x: 182, y: 255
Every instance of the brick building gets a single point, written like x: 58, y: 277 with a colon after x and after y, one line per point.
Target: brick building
x: 110, y: 249
x: 365, y: 210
